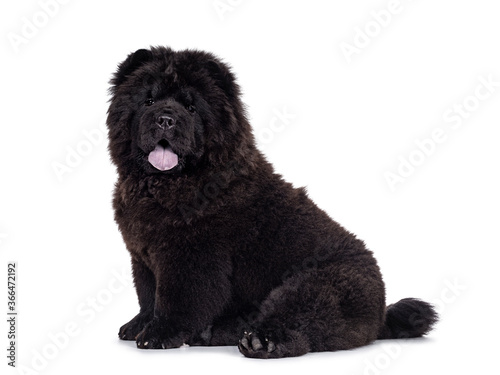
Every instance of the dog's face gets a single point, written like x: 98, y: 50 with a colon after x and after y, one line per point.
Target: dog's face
x: 173, y: 112
x: 168, y: 126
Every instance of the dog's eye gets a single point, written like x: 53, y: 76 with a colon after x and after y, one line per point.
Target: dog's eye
x: 149, y: 101
x: 191, y: 108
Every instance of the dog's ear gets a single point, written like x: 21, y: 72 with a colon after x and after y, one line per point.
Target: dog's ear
x: 127, y: 67
x: 223, y: 77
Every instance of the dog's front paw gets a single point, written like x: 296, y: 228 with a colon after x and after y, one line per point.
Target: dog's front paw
x: 130, y: 330
x: 157, y: 335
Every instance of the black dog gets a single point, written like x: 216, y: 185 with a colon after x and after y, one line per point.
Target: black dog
x: 224, y: 252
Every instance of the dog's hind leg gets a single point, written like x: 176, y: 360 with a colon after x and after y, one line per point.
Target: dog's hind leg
x: 337, y: 307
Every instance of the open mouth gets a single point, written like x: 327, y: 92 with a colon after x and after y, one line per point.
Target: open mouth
x: 163, y: 157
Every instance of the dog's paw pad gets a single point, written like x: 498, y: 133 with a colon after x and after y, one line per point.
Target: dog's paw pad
x: 256, y: 345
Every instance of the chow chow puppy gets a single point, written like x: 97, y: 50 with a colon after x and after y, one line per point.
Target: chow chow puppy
x: 224, y: 251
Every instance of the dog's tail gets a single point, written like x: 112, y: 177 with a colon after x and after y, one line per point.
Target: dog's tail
x: 407, y: 318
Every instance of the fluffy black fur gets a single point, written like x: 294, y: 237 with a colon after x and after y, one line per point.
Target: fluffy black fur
x: 224, y: 251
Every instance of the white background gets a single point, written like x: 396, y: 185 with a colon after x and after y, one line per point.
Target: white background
x: 435, y: 236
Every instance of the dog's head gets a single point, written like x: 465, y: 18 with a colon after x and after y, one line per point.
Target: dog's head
x: 175, y: 112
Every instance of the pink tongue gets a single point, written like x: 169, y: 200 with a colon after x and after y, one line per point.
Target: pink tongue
x: 163, y: 158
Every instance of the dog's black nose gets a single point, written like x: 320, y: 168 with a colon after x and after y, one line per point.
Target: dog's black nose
x: 165, y: 122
